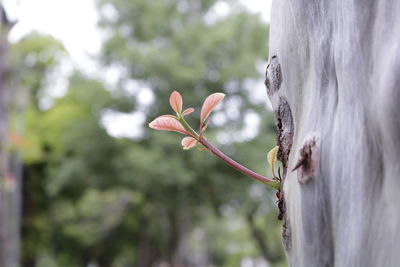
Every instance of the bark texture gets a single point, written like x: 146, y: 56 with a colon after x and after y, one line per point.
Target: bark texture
x: 334, y: 82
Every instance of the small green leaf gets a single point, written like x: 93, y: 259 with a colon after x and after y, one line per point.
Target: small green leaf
x: 271, y: 156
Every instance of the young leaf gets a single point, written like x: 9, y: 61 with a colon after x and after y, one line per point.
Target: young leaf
x: 187, y: 111
x: 188, y: 142
x: 167, y: 123
x: 176, y: 102
x: 209, y: 104
x: 272, y: 155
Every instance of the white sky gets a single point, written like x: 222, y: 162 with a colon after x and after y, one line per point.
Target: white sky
x: 74, y: 23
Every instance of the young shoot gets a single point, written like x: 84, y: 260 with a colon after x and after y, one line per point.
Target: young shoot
x: 178, y: 124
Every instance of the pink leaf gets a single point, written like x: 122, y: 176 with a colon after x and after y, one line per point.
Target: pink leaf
x: 176, y: 102
x: 188, y: 142
x: 209, y: 104
x: 187, y: 111
x: 167, y: 123
x: 169, y: 116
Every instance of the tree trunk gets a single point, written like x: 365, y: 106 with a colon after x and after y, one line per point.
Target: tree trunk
x: 334, y: 82
x: 9, y: 178
x: 4, y: 174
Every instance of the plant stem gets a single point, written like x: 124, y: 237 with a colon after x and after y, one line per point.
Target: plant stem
x: 188, y: 128
x: 238, y: 166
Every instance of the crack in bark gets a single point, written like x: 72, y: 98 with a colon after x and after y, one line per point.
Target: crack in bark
x: 285, y: 128
x: 273, y: 76
x: 284, y: 125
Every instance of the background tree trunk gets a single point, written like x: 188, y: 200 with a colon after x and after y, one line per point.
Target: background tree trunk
x: 334, y: 80
x: 9, y: 161
x: 260, y: 238
x: 4, y: 99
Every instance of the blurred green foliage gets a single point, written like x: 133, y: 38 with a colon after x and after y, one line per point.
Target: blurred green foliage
x: 91, y: 198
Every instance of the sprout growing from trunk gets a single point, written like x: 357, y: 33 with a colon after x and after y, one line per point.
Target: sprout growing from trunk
x: 178, y: 124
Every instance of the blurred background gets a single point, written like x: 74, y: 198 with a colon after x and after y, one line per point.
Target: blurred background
x: 85, y: 182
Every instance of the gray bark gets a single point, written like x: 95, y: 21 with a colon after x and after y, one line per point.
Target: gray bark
x: 334, y: 82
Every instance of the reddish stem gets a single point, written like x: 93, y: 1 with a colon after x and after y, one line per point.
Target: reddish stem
x: 237, y: 165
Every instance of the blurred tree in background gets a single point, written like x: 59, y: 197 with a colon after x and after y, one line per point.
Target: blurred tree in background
x: 93, y: 198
